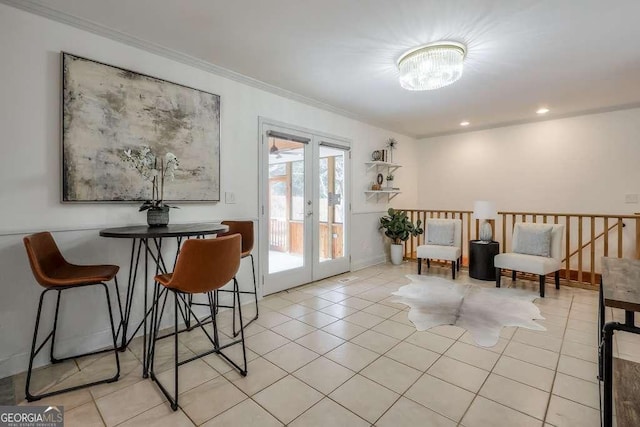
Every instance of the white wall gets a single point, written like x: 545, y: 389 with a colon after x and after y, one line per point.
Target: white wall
x: 30, y: 79
x: 582, y: 164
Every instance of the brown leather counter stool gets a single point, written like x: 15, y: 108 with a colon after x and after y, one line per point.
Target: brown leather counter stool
x: 203, y: 266
x: 245, y: 229
x: 54, y: 273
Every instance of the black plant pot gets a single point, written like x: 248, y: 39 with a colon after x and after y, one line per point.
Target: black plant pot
x: 158, y: 217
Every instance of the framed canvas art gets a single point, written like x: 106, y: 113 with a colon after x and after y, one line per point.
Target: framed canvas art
x: 107, y: 110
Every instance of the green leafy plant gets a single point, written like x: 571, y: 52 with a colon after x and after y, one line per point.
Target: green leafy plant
x: 398, y: 227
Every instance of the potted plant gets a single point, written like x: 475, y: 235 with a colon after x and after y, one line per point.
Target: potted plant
x: 390, y: 181
x: 398, y: 228
x: 154, y: 169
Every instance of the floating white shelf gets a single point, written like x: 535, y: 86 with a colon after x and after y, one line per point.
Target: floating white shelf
x: 390, y: 166
x: 377, y: 193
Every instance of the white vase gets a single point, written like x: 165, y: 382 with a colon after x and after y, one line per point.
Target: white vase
x: 396, y: 254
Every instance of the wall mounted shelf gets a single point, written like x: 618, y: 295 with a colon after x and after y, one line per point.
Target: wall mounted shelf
x: 389, y: 193
x: 387, y: 168
x: 385, y: 165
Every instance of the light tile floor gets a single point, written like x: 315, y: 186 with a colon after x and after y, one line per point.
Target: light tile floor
x: 342, y: 354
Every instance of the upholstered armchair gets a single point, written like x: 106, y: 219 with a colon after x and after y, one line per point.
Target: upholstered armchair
x: 443, y: 240
x: 537, y: 249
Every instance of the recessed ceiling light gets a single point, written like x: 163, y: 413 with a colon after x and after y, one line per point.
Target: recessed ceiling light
x: 465, y: 123
x: 542, y: 111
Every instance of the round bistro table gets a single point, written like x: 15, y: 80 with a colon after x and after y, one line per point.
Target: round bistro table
x: 148, y: 240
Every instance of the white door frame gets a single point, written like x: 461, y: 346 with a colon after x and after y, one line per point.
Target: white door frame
x: 262, y: 198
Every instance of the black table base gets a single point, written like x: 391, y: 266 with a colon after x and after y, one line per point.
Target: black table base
x: 147, y: 243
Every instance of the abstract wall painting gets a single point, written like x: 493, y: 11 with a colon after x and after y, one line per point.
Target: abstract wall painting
x: 107, y: 110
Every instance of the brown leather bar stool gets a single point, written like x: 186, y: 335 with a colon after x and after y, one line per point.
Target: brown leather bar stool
x: 54, y: 273
x: 203, y: 266
x: 245, y: 229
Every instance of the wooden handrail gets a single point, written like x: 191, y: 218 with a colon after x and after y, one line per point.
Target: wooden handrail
x: 592, y: 241
x: 623, y: 216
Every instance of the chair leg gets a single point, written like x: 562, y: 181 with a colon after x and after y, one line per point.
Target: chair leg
x: 244, y: 350
x: 156, y: 317
x: 453, y: 270
x: 419, y: 266
x: 458, y: 262
x: 34, y: 352
x: 214, y: 321
x: 121, y: 324
x: 513, y: 275
x: 174, y: 404
x: 255, y: 286
x: 498, y: 276
x: 542, y: 283
x: 557, y: 278
x: 255, y: 294
x: 55, y: 327
x: 428, y: 264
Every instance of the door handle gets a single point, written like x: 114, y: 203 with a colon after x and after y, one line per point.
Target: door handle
x: 309, y: 213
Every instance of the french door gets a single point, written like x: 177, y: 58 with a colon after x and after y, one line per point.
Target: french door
x: 305, y: 211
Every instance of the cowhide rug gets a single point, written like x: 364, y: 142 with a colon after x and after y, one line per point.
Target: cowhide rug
x: 482, y: 311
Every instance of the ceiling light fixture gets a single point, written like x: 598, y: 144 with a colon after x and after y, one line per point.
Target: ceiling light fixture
x: 542, y: 111
x: 432, y: 66
x: 465, y: 123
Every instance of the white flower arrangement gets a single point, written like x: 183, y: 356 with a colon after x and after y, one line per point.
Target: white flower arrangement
x: 154, y: 169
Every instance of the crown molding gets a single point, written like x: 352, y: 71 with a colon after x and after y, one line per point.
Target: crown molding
x: 602, y: 110
x: 104, y: 31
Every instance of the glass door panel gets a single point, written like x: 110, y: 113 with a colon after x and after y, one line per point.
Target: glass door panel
x: 331, y: 254
x: 331, y: 204
x: 286, y: 205
x: 288, y: 209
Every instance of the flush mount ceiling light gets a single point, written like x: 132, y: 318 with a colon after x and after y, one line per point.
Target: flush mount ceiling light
x: 431, y: 66
x: 465, y: 123
x: 542, y: 110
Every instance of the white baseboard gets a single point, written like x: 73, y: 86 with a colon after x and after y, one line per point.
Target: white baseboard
x: 368, y: 262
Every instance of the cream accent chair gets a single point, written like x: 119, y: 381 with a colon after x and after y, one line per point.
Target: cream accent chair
x: 533, y: 264
x: 447, y: 253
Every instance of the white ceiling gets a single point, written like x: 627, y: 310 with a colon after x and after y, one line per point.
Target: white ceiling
x: 570, y: 55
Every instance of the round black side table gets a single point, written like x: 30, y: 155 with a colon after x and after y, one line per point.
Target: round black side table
x: 481, y: 259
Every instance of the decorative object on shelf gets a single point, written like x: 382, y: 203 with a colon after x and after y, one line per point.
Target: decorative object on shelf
x: 376, y: 187
x: 376, y: 156
x: 108, y: 109
x: 392, y: 143
x: 432, y: 66
x: 389, y: 186
x: 485, y: 210
x: 156, y: 170
x: 380, y: 179
x: 398, y: 228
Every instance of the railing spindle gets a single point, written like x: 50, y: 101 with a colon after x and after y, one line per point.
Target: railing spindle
x: 606, y: 236
x: 504, y: 233
x: 568, y: 248
x: 620, y: 237
x: 592, y: 259
x: 579, y: 248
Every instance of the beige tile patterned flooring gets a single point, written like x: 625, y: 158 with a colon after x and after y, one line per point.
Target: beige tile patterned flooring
x: 342, y: 354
